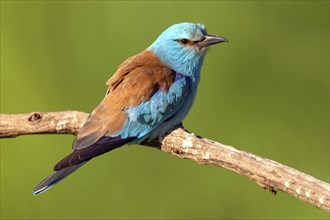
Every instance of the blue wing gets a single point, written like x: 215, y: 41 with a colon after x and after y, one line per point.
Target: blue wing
x: 162, y: 112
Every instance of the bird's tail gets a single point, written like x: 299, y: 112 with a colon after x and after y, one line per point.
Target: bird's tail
x: 55, y: 177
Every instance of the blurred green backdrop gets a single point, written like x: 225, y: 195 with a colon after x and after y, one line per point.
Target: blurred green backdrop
x: 266, y: 92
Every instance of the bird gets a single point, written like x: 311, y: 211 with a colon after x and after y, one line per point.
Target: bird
x: 149, y: 94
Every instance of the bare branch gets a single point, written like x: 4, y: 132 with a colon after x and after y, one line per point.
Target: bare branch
x: 266, y: 173
x: 67, y: 122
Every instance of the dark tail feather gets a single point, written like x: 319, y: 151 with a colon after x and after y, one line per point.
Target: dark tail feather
x: 55, y: 177
x: 102, y: 146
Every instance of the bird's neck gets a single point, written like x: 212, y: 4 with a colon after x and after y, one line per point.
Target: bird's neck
x: 189, y: 64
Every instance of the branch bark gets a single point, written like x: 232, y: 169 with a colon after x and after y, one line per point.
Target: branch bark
x: 266, y: 173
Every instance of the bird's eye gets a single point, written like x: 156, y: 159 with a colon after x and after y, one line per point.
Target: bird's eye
x: 184, y: 41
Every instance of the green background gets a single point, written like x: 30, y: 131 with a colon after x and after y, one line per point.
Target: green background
x: 266, y: 91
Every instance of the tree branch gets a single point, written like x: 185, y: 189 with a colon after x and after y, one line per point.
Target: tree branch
x: 266, y: 173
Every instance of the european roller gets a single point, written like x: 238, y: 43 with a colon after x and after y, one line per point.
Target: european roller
x: 149, y: 94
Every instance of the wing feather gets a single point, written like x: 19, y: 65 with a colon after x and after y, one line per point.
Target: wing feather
x: 135, y: 82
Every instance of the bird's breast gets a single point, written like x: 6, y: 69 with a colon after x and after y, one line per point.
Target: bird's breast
x: 189, y: 94
x: 182, y: 93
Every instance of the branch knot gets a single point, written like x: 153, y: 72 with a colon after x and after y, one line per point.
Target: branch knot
x: 35, y: 117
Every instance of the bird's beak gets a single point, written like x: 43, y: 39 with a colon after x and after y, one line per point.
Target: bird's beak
x: 211, y: 39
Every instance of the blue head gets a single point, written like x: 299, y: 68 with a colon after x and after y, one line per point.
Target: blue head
x: 183, y: 46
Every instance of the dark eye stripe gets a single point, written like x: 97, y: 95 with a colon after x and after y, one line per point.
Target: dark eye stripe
x: 186, y: 41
